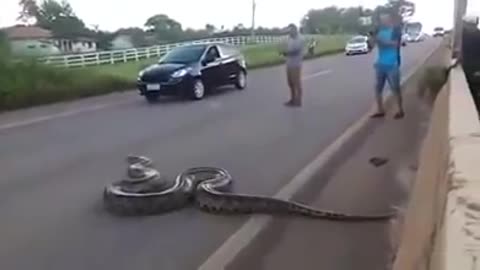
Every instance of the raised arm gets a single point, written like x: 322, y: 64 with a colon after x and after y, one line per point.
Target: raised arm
x: 396, y: 40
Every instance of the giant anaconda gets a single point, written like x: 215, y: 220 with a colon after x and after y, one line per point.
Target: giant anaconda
x: 146, y: 192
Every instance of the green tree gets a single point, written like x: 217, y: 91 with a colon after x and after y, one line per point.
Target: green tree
x: 103, y: 39
x: 164, y: 27
x: 60, y: 19
x: 29, y: 10
x: 55, y: 16
x: 210, y: 28
x: 4, y: 48
x: 403, y: 9
x: 331, y: 20
x: 240, y: 30
x: 137, y: 35
x: 51, y: 10
x: 350, y: 17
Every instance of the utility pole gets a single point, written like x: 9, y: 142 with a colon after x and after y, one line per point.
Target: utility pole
x: 254, y: 6
x: 460, y: 8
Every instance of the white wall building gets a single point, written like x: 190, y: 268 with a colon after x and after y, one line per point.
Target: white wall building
x: 77, y: 45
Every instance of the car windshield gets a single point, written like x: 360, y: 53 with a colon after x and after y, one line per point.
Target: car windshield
x: 184, y: 55
x: 358, y: 40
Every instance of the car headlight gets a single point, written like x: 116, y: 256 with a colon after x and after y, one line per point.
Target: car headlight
x: 140, y: 74
x: 180, y: 73
x: 243, y: 63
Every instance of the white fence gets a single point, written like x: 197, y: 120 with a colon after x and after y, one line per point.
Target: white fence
x: 119, y: 56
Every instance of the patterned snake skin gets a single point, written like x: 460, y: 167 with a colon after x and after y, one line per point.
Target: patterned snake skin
x: 146, y: 192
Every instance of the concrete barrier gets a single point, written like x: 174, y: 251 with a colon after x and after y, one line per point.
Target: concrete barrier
x: 442, y: 222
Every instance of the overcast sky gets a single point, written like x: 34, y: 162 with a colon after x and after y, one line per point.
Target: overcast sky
x: 113, y: 14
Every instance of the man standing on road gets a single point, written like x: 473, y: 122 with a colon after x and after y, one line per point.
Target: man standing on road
x: 387, y: 67
x: 294, y: 55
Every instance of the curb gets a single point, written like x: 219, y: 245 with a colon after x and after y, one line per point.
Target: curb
x: 256, y: 225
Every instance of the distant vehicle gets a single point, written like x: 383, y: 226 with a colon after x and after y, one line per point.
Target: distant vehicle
x: 438, y: 32
x: 415, y: 37
x: 191, y: 70
x: 413, y: 27
x: 413, y: 31
x: 358, y: 45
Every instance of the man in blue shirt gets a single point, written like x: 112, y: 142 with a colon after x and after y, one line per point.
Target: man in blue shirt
x: 388, y: 38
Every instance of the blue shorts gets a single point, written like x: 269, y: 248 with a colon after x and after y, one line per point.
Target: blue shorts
x: 390, y: 74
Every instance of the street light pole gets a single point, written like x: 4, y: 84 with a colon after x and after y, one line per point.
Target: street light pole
x: 460, y: 8
x: 254, y: 6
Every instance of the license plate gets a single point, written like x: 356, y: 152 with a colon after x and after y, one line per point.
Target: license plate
x: 153, y: 87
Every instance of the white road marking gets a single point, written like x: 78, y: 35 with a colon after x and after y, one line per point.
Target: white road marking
x: 317, y: 74
x: 39, y: 119
x: 35, y: 120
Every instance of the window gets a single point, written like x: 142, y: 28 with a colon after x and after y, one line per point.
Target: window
x: 31, y: 46
x: 358, y: 40
x: 228, y: 50
x: 43, y: 46
x: 184, y: 55
x: 213, y: 52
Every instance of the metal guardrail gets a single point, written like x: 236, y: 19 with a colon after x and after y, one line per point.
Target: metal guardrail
x: 136, y: 54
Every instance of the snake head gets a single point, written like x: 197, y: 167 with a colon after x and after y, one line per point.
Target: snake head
x: 142, y: 160
x: 136, y: 171
x: 139, y: 173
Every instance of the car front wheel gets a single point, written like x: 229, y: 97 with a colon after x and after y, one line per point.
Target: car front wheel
x: 198, y: 90
x: 241, y: 80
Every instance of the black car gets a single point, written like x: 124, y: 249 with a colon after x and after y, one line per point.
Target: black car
x: 191, y: 70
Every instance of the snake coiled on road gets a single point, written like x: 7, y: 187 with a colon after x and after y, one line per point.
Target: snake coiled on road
x: 146, y: 192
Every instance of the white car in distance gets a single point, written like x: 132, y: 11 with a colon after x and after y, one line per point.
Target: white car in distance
x: 358, y: 45
x: 438, y: 32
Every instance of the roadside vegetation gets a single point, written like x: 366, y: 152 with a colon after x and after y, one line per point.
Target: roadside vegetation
x: 256, y: 57
x: 432, y: 81
x: 26, y: 83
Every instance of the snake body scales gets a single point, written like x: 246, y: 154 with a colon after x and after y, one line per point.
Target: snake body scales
x: 146, y: 192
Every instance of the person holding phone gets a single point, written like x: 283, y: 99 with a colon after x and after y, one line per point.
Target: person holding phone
x: 294, y: 58
x: 388, y: 38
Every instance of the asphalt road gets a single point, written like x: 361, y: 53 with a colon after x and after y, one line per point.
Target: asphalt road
x: 53, y: 172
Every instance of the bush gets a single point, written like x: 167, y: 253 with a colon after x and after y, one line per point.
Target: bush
x: 432, y: 81
x: 4, y: 48
x: 27, y: 83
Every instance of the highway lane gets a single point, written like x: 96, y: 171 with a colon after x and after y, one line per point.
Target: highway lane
x: 53, y: 172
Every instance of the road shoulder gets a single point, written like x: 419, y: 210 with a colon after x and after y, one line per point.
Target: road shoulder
x: 355, y: 187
